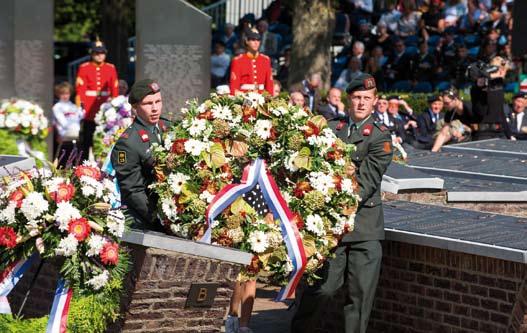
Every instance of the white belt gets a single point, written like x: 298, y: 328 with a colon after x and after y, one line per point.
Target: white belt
x: 94, y: 93
x: 252, y: 86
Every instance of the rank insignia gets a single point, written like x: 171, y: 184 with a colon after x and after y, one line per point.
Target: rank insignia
x: 143, y: 135
x: 162, y: 126
x: 121, y: 157
x: 387, y: 147
x: 367, y: 130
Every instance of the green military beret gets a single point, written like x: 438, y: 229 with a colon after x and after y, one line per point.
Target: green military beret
x: 142, y: 88
x: 361, y: 82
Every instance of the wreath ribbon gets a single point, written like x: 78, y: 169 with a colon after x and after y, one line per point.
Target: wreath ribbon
x: 10, y: 277
x: 257, y: 173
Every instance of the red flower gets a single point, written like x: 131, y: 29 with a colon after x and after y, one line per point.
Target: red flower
x: 92, y: 172
x: 64, y: 192
x: 206, y: 115
x: 297, y: 219
x: 17, y: 196
x: 178, y: 147
x: 7, y: 237
x: 79, y: 228
x: 338, y: 182
x: 110, y: 254
x: 248, y: 114
x: 301, y: 188
x: 311, y: 129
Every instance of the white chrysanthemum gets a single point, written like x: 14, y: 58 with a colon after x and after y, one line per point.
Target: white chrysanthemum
x: 34, y: 205
x: 258, y: 241
x: 95, y: 244
x: 117, y: 101
x: 53, y: 183
x: 276, y: 148
x: 195, y: 147
x: 321, y: 182
x: 236, y: 235
x: 299, y: 114
x: 279, y: 111
x: 183, y: 110
x: 347, y: 186
x: 111, y: 115
x: 202, y: 108
x: 90, y: 186
x: 290, y: 162
x: 206, y: 196
x: 176, y: 181
x: 99, y: 281
x: 175, y: 228
x: 222, y: 112
x: 315, y: 224
x: 67, y: 246
x: 275, y: 238
x: 64, y: 213
x: 115, y: 222
x: 288, y: 266
x: 255, y: 99
x: 263, y: 128
x: 197, y: 126
x: 340, y: 162
x: 7, y: 215
x: 169, y: 209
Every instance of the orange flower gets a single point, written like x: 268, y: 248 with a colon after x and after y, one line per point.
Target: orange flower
x: 65, y: 192
x: 17, y: 196
x: 301, y: 188
x: 7, y: 237
x: 110, y: 253
x: 79, y: 228
x: 178, y: 147
x: 92, y: 172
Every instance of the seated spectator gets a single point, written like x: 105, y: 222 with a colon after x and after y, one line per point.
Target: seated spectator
x: 219, y: 65
x: 123, y: 88
x: 390, y: 18
x: 375, y: 65
x: 297, y: 98
x: 497, y: 21
x: 427, y: 122
x: 402, y: 124
x: 454, y: 10
x: 516, y: 119
x: 364, y: 34
x: 350, y: 73
x: 383, y: 38
x: 310, y: 89
x: 362, y: 9
x: 358, y: 51
x: 228, y: 37
x: 424, y: 65
x: 408, y: 23
x: 66, y: 120
x: 269, y: 45
x: 476, y: 16
x: 398, y: 65
x: 462, y: 62
x: 277, y: 88
x: 457, y: 120
x: 333, y: 108
x: 432, y: 22
x: 488, y: 50
x: 283, y: 71
x: 380, y: 113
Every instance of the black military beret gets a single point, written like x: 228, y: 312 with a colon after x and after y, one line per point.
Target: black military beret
x: 521, y: 94
x: 142, y: 88
x: 361, y: 82
x: 98, y: 47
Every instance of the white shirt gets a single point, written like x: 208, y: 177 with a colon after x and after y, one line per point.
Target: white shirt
x: 67, y: 118
x: 519, y: 119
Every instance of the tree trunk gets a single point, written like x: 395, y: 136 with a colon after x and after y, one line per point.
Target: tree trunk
x: 313, y: 24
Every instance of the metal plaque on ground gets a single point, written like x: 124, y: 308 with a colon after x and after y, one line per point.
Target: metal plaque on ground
x: 400, y: 177
x: 492, y: 147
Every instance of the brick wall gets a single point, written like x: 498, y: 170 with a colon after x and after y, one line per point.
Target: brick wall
x: 424, y: 289
x: 162, y: 280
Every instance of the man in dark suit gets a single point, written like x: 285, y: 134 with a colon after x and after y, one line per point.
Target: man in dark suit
x: 517, y: 119
x: 427, y: 122
x: 333, y: 108
x: 310, y: 88
x: 398, y: 67
x: 381, y: 114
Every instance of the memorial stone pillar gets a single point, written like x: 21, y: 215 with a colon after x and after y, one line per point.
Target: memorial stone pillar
x: 173, y: 47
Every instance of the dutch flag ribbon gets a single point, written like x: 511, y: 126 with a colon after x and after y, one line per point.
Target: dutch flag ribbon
x: 10, y: 277
x: 58, y: 318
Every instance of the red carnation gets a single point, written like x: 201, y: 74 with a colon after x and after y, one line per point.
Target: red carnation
x: 92, y: 172
x: 178, y: 147
x: 79, y: 228
x: 64, y: 192
x: 301, y: 188
x: 110, y: 254
x: 338, y: 182
x: 17, y: 196
x: 7, y: 237
x: 297, y: 219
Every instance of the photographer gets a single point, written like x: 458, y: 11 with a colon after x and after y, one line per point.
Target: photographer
x: 488, y: 99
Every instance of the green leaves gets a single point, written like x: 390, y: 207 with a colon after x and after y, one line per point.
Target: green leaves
x: 303, y: 160
x: 216, y: 157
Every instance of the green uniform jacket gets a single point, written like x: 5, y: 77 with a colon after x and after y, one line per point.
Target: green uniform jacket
x: 372, y: 157
x: 134, y: 168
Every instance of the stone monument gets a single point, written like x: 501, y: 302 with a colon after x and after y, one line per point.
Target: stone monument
x: 173, y: 47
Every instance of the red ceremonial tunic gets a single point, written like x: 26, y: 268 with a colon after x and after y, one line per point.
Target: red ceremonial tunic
x: 251, y: 73
x: 95, y: 84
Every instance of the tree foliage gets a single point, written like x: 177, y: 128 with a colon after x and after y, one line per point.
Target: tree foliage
x: 76, y: 20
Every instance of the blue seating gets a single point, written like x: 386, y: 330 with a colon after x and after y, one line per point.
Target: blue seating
x: 411, y: 41
x: 404, y: 86
x: 411, y: 51
x: 511, y: 87
x: 443, y: 85
x: 423, y: 87
x: 473, y: 51
x: 433, y: 40
x: 471, y: 40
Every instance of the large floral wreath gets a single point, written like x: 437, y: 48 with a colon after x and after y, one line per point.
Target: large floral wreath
x: 112, y: 119
x: 66, y: 214
x: 210, y: 148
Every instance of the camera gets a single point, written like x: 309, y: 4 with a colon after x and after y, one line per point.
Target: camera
x: 480, y: 70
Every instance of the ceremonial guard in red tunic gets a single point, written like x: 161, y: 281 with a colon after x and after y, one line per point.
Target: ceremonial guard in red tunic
x: 96, y: 82
x: 251, y: 71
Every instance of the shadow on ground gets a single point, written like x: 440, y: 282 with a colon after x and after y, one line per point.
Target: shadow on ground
x: 270, y: 316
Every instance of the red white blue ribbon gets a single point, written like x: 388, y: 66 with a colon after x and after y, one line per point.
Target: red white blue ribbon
x: 9, y: 278
x: 229, y: 194
x: 255, y: 173
x: 58, y: 318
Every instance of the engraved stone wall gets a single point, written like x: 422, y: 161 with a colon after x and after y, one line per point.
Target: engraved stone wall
x: 29, y: 69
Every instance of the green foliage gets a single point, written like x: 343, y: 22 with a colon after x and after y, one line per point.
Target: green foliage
x: 9, y: 324
x: 75, y: 19
x: 8, y: 146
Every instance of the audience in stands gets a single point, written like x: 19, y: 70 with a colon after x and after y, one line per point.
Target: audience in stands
x: 219, y: 65
x: 310, y: 88
x: 332, y: 107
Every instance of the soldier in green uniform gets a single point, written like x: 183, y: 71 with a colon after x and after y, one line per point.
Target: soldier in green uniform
x: 358, y: 256
x: 131, y: 156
